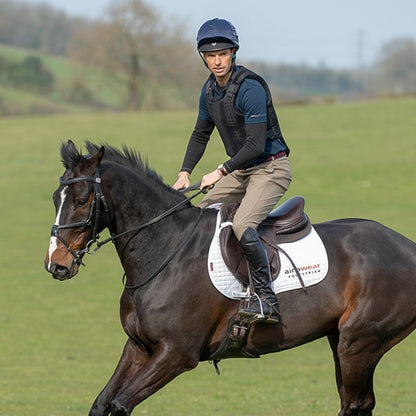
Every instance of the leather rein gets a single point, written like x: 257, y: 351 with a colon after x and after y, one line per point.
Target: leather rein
x: 99, y: 199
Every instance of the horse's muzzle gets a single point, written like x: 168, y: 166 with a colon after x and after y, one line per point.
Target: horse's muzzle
x: 60, y: 272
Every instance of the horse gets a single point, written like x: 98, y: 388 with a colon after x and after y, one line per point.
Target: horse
x: 174, y: 317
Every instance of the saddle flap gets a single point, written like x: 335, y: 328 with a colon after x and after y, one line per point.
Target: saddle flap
x: 287, y: 223
x: 235, y: 259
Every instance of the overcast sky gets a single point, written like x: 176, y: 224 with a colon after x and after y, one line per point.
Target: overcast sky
x: 339, y: 34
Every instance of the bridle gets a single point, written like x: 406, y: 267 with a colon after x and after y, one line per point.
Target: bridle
x: 95, y: 210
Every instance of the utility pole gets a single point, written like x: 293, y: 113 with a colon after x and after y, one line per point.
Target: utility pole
x: 360, y: 49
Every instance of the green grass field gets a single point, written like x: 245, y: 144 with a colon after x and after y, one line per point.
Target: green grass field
x: 60, y: 342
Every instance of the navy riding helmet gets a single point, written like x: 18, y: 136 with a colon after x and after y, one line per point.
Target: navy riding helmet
x: 216, y: 35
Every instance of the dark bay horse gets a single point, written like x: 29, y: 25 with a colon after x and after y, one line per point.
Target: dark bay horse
x: 173, y: 315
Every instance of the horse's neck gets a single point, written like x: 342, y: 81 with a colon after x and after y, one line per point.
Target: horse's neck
x: 148, y: 247
x: 132, y: 198
x: 136, y: 203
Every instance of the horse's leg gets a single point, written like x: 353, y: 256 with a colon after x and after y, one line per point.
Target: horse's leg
x: 164, y: 364
x: 132, y: 358
x: 359, y: 354
x: 333, y: 342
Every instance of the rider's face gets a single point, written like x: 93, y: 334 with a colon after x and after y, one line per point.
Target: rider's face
x: 219, y: 63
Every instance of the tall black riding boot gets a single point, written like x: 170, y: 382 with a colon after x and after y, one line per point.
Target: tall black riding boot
x: 264, y: 306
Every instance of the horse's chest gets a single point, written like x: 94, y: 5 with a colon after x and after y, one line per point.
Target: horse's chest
x: 129, y: 316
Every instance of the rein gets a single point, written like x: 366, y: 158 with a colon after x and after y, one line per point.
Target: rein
x: 167, y: 261
x: 95, y: 207
x: 153, y: 221
x: 156, y: 219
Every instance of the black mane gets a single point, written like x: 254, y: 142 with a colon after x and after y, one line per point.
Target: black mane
x: 129, y: 158
x: 126, y: 157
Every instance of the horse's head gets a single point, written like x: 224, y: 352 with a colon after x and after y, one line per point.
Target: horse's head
x: 77, y: 202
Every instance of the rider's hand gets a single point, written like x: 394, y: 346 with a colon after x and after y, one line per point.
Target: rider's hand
x: 211, y: 178
x: 182, y: 181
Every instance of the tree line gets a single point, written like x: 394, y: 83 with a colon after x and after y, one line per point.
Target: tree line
x: 28, y: 74
x: 134, y: 47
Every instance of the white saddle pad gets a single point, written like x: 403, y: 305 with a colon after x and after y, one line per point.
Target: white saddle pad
x: 308, y: 254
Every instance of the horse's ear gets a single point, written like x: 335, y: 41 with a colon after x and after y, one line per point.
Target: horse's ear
x: 70, y: 154
x: 96, y: 158
x: 70, y: 145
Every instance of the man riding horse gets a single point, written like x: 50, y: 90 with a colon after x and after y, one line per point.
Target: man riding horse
x: 238, y: 103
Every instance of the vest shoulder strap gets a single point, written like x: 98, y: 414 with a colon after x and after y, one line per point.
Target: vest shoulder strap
x: 236, y: 80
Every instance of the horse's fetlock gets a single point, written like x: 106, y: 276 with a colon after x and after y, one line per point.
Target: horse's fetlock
x: 99, y: 408
x: 117, y: 409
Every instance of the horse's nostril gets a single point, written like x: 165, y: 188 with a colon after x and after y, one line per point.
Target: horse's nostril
x: 58, y: 271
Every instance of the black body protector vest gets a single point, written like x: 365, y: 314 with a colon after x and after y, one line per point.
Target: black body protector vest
x: 230, y: 122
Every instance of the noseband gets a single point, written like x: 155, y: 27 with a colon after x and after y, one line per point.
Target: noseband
x: 88, y: 223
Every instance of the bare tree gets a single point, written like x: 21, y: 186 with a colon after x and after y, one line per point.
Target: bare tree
x: 135, y: 32
x: 396, y: 67
x: 136, y: 48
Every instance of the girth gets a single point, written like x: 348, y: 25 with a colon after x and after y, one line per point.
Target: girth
x: 287, y: 223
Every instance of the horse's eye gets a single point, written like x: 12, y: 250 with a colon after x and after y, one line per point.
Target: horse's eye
x: 80, y: 203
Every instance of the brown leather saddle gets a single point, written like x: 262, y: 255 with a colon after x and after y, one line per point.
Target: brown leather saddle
x: 287, y: 223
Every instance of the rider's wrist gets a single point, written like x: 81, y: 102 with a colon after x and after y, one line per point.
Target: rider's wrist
x: 184, y: 174
x: 223, y: 169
